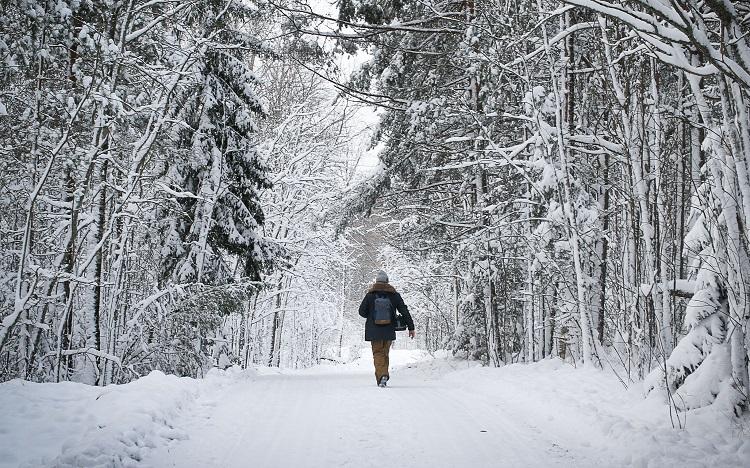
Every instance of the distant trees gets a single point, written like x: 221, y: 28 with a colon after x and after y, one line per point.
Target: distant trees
x: 311, y: 133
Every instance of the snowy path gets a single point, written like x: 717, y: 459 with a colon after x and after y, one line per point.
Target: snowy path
x: 343, y: 420
x: 436, y: 413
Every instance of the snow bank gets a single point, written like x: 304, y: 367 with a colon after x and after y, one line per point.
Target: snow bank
x: 591, y: 410
x: 76, y: 425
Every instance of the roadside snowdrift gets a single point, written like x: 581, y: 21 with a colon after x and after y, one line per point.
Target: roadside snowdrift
x: 76, y: 425
x: 590, y: 410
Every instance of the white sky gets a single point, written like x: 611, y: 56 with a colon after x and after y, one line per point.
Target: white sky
x: 367, y: 116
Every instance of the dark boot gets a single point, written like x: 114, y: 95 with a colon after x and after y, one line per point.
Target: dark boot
x: 383, y: 381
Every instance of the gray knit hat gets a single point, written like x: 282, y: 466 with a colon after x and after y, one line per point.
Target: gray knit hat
x: 381, y: 277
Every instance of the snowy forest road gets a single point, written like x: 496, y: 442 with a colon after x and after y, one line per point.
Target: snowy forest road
x: 438, y: 412
x: 306, y: 419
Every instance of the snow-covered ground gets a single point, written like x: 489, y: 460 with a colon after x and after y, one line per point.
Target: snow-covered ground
x: 437, y: 412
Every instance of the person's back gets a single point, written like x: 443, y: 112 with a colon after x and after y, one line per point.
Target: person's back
x: 379, y: 307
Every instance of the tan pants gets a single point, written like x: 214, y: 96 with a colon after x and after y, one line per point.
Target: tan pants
x: 380, y: 351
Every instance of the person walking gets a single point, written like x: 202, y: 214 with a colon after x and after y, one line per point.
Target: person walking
x: 379, y: 307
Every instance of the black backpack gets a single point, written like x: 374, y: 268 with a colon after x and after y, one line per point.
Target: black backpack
x: 383, y: 310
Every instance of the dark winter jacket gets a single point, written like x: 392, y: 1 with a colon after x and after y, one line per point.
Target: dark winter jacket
x: 383, y: 332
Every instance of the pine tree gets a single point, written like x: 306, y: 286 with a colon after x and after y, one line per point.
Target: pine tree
x: 217, y: 163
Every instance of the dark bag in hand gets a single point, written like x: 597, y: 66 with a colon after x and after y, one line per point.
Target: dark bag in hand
x: 400, y: 324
